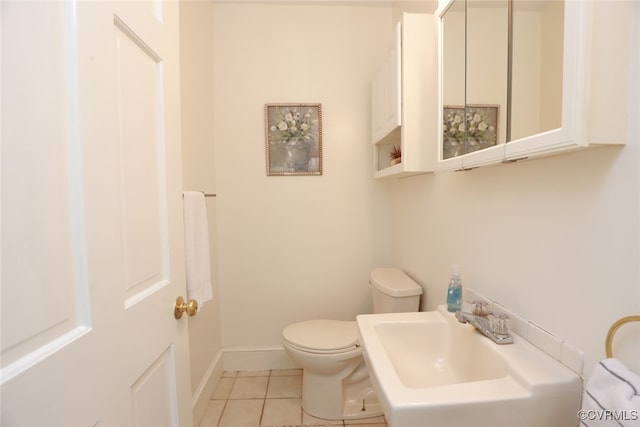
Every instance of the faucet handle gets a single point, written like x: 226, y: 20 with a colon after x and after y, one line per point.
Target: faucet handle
x: 480, y: 308
x: 499, y: 324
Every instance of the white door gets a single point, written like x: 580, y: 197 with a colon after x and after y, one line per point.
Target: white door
x: 91, y: 219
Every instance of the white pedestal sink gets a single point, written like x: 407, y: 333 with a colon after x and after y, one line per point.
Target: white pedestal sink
x: 429, y: 370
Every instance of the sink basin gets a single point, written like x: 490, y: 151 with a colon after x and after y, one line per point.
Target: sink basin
x: 430, y: 370
x: 419, y: 362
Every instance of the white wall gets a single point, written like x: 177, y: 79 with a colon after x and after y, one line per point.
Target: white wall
x: 196, y: 51
x: 555, y: 239
x: 295, y: 248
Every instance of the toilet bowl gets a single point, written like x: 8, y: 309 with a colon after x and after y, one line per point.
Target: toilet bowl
x: 330, y: 355
x: 335, y: 381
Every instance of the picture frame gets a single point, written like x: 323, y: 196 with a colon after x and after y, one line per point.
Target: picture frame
x: 293, y: 139
x: 468, y: 130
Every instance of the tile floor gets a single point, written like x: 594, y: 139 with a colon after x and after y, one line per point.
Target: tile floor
x: 266, y: 398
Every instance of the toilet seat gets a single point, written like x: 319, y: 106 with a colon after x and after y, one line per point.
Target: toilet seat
x: 323, y: 336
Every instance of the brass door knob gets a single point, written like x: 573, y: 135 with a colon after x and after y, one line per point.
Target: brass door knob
x: 191, y: 307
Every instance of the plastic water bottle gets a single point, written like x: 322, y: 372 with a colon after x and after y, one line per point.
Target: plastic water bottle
x: 454, y: 292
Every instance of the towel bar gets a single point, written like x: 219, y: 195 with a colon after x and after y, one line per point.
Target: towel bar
x: 612, y: 332
x: 208, y: 194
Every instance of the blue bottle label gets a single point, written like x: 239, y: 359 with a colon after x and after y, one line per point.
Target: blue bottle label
x: 454, y: 298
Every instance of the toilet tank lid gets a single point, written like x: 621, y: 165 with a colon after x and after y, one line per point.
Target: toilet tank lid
x: 394, y: 282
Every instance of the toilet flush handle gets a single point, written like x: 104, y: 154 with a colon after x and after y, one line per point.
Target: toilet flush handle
x: 191, y: 307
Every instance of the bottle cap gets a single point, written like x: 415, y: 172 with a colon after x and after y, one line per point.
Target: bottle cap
x: 455, y: 269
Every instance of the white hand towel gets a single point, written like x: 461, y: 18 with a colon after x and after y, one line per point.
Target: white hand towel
x: 196, y: 242
x: 611, y: 396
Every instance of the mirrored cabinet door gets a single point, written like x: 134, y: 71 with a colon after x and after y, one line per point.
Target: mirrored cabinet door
x: 473, y: 82
x: 536, y: 68
x: 535, y: 75
x: 582, y: 81
x: 487, y: 66
x: 452, y: 80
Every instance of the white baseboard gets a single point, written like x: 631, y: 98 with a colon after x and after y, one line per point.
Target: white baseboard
x: 257, y: 359
x: 206, y: 388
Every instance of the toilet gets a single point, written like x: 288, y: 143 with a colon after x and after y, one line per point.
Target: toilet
x: 335, y: 381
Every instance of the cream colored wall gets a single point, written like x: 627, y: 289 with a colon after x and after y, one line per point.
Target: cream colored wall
x: 295, y: 248
x: 554, y: 239
x: 196, y: 50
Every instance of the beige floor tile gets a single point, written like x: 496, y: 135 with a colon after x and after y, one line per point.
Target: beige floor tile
x: 213, y: 413
x: 253, y: 373
x: 285, y: 372
x: 242, y: 413
x: 223, y: 389
x: 290, y: 386
x: 278, y: 412
x: 249, y: 388
x: 267, y: 398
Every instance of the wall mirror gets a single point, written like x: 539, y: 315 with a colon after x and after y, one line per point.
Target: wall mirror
x: 501, y: 74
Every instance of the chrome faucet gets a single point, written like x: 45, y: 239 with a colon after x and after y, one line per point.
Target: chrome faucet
x: 491, y: 326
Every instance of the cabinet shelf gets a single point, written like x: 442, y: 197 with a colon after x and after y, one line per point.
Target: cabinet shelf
x: 394, y: 170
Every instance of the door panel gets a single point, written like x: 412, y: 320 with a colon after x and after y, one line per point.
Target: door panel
x: 150, y: 407
x: 43, y: 238
x: 140, y: 120
x: 91, y: 225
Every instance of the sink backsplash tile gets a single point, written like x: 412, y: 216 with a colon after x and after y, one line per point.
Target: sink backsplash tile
x: 564, y: 352
x: 572, y: 357
x: 544, y: 340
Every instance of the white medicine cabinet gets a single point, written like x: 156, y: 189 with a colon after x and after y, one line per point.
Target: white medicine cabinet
x: 520, y: 79
x: 404, y: 100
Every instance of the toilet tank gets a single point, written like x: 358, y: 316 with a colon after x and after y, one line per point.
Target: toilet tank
x: 394, y: 291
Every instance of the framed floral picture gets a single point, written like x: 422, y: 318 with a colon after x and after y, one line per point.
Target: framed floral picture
x: 474, y: 130
x: 293, y: 134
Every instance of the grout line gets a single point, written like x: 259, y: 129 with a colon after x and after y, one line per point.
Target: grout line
x: 224, y: 406
x: 264, y: 401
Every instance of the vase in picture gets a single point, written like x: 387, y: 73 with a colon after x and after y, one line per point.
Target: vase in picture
x: 298, y: 153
